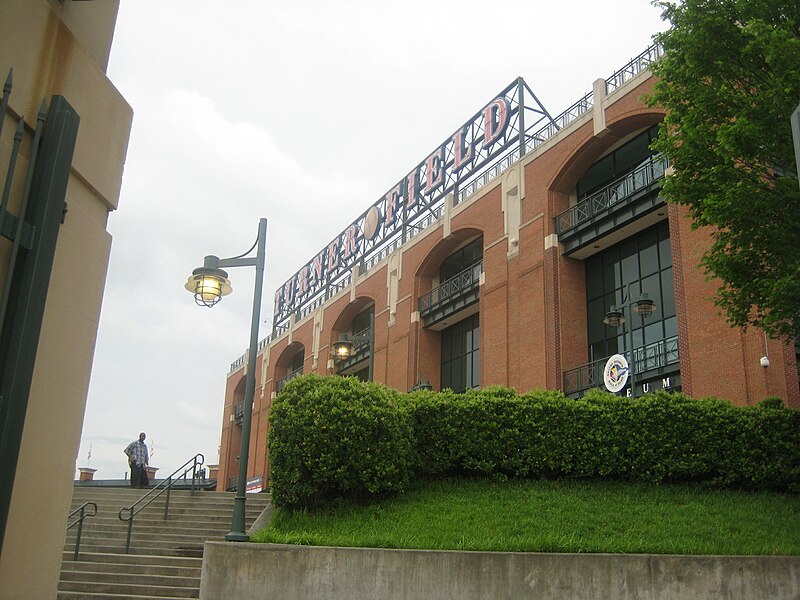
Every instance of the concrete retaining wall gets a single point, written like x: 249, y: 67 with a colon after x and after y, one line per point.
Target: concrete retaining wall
x: 265, y: 571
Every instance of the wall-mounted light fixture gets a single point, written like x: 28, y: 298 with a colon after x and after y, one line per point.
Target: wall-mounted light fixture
x: 345, y: 346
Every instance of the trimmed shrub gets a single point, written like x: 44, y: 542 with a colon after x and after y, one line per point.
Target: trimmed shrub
x: 773, y: 402
x: 656, y: 438
x: 336, y: 437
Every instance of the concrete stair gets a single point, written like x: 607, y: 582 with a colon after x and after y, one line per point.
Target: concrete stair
x: 165, y: 556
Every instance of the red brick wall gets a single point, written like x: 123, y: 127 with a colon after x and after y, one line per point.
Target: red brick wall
x: 532, y: 303
x: 722, y: 361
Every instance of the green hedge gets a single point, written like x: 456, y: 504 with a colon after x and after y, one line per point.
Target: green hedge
x: 339, y: 437
x: 336, y: 436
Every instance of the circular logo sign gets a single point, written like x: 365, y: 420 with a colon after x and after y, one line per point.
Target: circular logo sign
x: 371, y: 222
x: 615, y: 374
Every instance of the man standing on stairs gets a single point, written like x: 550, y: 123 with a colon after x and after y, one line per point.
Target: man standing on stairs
x: 137, y: 459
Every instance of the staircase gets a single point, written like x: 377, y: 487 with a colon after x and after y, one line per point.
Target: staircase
x: 165, y: 556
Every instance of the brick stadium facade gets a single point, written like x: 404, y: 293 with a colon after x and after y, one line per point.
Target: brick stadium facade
x: 509, y: 278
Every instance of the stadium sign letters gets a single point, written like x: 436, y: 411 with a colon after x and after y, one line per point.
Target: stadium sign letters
x: 468, y: 149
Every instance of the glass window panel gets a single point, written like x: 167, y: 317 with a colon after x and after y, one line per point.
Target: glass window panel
x: 622, y: 343
x: 634, y: 319
x: 460, y: 362
x: 596, y: 176
x: 360, y: 321
x: 447, y: 344
x: 631, y: 154
x: 667, y: 294
x: 638, y: 338
x: 664, y: 249
x: 476, y: 251
x: 461, y: 259
x: 596, y: 311
x: 635, y: 262
x: 457, y: 375
x: 613, y: 332
x: 630, y: 260
x: 611, y: 299
x: 670, y: 327
x: 594, y: 277
x: 476, y: 368
x: 653, y: 332
x: 652, y: 133
x: 460, y: 347
x: 598, y: 350
x: 611, y: 269
x: 652, y: 287
x: 297, y: 360
x: 446, y: 379
x: 648, y: 252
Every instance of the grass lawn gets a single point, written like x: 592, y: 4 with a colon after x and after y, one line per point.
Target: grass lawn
x: 555, y: 516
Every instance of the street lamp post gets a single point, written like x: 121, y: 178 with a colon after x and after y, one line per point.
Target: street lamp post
x: 616, y: 318
x: 208, y: 284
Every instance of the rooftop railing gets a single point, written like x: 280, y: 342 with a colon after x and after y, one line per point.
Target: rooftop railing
x: 491, y: 172
x: 634, y: 67
x: 573, y: 113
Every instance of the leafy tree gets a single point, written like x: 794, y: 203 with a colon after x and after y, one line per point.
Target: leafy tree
x: 729, y: 81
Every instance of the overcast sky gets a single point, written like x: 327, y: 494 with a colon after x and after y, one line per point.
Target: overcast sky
x: 305, y: 113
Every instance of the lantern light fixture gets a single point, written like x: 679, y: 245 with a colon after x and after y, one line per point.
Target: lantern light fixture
x: 208, y: 284
x: 345, y: 347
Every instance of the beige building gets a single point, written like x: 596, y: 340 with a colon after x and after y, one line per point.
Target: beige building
x: 56, y: 48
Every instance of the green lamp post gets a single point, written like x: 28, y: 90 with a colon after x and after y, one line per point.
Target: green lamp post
x: 209, y: 284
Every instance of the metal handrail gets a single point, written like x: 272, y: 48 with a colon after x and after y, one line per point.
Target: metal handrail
x: 165, y: 486
x: 79, y: 522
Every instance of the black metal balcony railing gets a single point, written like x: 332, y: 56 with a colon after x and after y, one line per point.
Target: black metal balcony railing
x: 238, y: 412
x: 284, y: 380
x: 452, y: 289
x: 617, y: 191
x: 363, y: 339
x: 646, y: 358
